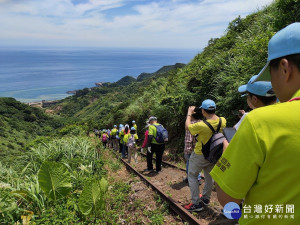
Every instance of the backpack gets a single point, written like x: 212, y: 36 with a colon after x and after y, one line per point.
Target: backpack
x: 213, y: 149
x: 104, y: 138
x: 131, y: 141
x: 162, y: 135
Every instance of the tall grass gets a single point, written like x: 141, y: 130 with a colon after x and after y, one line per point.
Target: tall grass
x: 20, y: 191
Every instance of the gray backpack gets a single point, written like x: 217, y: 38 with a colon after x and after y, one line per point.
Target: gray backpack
x: 213, y: 149
x: 131, y: 141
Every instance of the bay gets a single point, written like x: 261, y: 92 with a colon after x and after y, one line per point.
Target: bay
x: 31, y: 75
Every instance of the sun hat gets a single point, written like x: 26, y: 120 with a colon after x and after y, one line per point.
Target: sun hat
x: 133, y: 121
x: 261, y: 88
x: 285, y: 42
x: 208, y: 104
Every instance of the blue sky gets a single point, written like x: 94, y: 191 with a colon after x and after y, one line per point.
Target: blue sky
x: 119, y: 23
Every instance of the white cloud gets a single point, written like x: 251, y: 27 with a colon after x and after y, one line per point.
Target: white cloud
x: 175, y: 23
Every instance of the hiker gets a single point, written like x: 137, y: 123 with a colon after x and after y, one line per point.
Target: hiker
x: 134, y: 125
x: 131, y: 139
x: 197, y: 162
x: 96, y: 132
x: 120, y: 137
x: 104, y: 138
x: 144, y: 146
x: 109, y: 139
x: 114, y: 139
x: 266, y: 146
x: 125, y: 147
x: 189, y: 145
x: 153, y: 146
x: 258, y: 94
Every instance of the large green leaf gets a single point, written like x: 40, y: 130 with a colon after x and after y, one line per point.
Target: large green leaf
x: 92, y: 197
x: 54, y: 179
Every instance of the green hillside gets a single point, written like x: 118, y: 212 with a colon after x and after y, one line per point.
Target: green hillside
x: 216, y: 73
x: 20, y: 124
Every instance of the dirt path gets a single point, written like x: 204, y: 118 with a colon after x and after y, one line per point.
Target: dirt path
x: 141, y: 205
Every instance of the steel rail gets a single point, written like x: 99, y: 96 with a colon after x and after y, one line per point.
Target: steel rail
x: 177, y: 208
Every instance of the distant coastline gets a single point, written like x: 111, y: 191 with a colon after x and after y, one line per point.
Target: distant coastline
x: 36, y: 75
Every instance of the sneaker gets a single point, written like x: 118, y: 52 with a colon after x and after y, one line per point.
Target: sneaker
x: 196, y: 207
x: 205, y: 201
x: 188, y: 206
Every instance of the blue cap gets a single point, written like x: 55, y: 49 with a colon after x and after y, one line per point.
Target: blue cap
x: 121, y: 125
x: 261, y: 88
x: 133, y: 121
x: 132, y: 128
x: 285, y: 42
x: 208, y: 104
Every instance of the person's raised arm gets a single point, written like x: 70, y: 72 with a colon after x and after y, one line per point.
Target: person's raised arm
x: 189, y: 116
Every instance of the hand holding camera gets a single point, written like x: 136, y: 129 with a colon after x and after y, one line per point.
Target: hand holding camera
x: 191, y: 110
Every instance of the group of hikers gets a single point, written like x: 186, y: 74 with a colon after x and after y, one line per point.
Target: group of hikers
x: 124, y: 140
x: 259, y: 165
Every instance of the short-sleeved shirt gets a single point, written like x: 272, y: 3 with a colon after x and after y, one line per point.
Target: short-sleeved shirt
x: 152, y: 131
x: 261, y: 163
x: 204, y: 132
x: 122, y: 135
x: 113, y: 132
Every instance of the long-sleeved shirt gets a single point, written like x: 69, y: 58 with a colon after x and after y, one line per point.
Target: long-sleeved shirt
x: 145, y: 140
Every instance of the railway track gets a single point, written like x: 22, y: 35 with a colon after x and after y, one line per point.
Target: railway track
x: 177, y: 208
x: 168, y: 164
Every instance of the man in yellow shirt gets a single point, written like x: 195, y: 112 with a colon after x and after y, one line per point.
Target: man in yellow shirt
x: 261, y: 163
x: 197, y: 162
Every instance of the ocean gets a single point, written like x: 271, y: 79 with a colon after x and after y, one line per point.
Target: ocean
x: 32, y: 75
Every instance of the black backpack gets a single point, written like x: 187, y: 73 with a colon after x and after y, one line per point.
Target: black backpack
x: 213, y: 149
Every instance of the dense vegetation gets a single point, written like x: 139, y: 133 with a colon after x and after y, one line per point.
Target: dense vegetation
x: 32, y: 143
x: 61, y: 182
x: 20, y: 124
